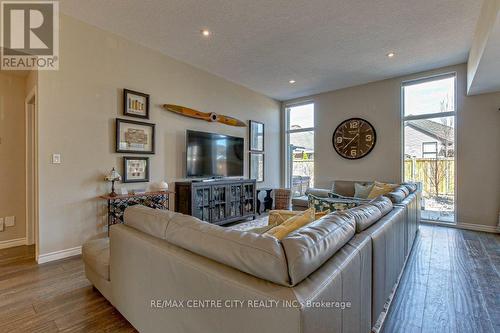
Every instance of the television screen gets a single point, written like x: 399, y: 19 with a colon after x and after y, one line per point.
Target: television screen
x: 213, y: 155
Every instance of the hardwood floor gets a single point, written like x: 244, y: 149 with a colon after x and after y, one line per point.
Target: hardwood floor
x: 53, y: 297
x: 451, y: 284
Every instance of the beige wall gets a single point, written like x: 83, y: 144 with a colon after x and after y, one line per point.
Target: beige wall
x: 12, y: 154
x: 478, y: 128
x: 77, y: 108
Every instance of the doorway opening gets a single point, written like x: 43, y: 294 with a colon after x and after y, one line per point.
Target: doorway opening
x: 31, y: 170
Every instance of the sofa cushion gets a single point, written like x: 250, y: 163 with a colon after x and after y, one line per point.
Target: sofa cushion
x: 384, y: 204
x: 258, y: 255
x: 365, y: 216
x: 293, y: 223
x: 309, y: 247
x: 148, y: 220
x: 412, y: 187
x: 398, y: 195
x: 322, y: 204
x: 95, y: 254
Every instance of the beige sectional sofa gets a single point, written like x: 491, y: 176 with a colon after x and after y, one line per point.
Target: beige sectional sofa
x: 169, y: 272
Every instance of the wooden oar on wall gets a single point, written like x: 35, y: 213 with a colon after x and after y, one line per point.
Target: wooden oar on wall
x: 207, y: 116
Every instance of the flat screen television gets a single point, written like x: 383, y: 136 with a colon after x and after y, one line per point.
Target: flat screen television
x: 213, y: 155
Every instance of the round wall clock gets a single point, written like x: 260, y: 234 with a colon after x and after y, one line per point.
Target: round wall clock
x: 354, y: 138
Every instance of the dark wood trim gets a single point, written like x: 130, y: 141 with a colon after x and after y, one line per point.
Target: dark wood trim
x: 117, y: 134
x: 125, y: 109
x: 129, y: 158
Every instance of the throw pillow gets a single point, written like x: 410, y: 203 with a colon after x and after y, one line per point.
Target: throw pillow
x: 262, y: 230
x: 361, y: 190
x: 292, y: 224
x: 378, y: 191
x: 334, y: 195
x: 388, y: 186
x: 331, y: 204
x: 276, y: 217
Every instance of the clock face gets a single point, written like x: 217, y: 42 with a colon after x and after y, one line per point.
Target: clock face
x: 354, y: 138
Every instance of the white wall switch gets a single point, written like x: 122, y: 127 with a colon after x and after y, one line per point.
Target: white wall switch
x: 10, y: 221
x: 56, y: 158
x: 1, y: 224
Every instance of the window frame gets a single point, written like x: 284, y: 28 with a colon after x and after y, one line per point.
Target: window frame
x: 287, y: 131
x: 453, y: 114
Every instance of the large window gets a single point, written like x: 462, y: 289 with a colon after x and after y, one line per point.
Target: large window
x: 429, y: 109
x: 300, y: 147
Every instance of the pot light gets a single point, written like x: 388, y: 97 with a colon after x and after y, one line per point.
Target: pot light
x: 391, y: 54
x: 206, y: 32
x: 291, y: 81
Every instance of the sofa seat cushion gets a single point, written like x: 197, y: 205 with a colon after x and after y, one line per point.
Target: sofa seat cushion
x: 148, y: 220
x: 365, y: 216
x: 309, y: 247
x: 259, y: 255
x: 95, y: 254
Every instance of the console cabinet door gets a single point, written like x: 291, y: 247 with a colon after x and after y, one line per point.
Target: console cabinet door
x: 248, y: 198
x: 235, y: 201
x: 201, y: 202
x: 219, y: 203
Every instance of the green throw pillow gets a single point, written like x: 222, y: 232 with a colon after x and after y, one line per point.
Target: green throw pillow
x: 323, y: 204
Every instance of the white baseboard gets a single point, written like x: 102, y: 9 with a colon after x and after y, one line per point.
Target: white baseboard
x: 12, y: 243
x: 466, y: 226
x: 478, y: 227
x: 57, y: 255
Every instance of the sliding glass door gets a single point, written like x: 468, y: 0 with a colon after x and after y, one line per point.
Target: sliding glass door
x: 429, y: 111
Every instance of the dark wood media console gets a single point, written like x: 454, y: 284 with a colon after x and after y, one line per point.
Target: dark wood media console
x: 218, y: 202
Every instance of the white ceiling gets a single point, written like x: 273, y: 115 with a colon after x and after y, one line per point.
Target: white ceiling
x: 322, y: 44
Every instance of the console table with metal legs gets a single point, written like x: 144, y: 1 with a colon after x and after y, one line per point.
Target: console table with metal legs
x: 117, y: 204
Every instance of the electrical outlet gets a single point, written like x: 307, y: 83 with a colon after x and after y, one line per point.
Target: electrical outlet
x: 10, y: 221
x: 1, y: 224
x: 56, y: 158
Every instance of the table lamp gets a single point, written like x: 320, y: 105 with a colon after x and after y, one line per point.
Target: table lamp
x: 112, y: 177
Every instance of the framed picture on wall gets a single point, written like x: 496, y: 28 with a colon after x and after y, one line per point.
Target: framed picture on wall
x: 256, y: 136
x: 135, y: 169
x: 256, y: 169
x: 135, y: 104
x: 134, y: 137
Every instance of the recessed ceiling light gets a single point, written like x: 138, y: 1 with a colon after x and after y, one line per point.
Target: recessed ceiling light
x: 391, y: 54
x: 291, y: 81
x: 206, y: 32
